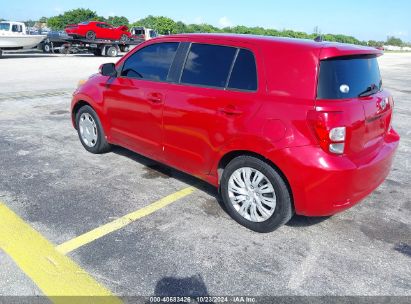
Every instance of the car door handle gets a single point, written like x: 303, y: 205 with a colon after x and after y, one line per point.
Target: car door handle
x: 155, y: 97
x: 230, y: 110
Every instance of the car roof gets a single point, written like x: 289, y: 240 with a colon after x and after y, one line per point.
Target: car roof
x: 327, y: 49
x: 96, y: 22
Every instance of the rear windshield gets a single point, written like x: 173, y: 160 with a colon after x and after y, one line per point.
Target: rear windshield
x: 138, y: 32
x: 348, y: 77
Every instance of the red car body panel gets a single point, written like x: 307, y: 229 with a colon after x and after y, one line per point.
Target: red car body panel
x: 106, y: 32
x: 186, y: 126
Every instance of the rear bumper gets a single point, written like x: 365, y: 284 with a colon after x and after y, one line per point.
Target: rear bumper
x: 324, y: 184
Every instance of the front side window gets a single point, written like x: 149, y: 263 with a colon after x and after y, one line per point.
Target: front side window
x: 4, y: 26
x: 244, y: 74
x: 349, y: 77
x: 151, y: 63
x: 208, y: 65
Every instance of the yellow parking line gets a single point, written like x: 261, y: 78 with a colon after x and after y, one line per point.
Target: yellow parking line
x: 57, y: 276
x: 119, y: 223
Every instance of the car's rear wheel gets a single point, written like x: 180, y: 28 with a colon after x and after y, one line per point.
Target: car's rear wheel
x: 90, y: 131
x: 90, y: 35
x: 255, y: 194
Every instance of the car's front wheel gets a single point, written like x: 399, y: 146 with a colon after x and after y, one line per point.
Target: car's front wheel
x: 90, y: 35
x: 124, y: 38
x: 255, y: 194
x: 90, y: 131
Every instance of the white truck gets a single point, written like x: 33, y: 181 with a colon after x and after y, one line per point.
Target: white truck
x: 13, y: 36
x: 143, y: 33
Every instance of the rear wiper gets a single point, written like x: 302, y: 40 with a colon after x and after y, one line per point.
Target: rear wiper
x: 372, y: 89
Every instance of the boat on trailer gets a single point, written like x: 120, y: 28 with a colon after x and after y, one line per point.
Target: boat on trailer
x: 13, y: 36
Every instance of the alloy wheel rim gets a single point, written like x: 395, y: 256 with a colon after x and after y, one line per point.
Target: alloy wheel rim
x: 88, y: 130
x: 252, y: 194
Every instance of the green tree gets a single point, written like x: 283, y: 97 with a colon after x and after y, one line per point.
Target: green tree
x: 163, y: 25
x: 29, y: 23
x: 180, y: 27
x: 43, y: 20
x: 117, y: 20
x: 375, y: 43
x: 391, y: 40
x: 72, y: 17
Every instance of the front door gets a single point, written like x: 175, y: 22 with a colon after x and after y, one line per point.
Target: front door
x: 134, y: 101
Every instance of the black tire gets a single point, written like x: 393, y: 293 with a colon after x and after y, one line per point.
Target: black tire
x: 46, y: 48
x: 90, y: 35
x: 124, y: 48
x: 101, y: 145
x: 97, y: 52
x: 283, y: 210
x: 111, y: 51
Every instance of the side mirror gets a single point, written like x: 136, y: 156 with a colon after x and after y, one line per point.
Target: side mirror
x: 108, y: 69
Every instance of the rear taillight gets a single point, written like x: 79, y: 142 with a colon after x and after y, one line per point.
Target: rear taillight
x: 328, y: 130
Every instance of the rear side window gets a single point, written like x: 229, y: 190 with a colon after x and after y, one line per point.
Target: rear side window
x: 348, y: 77
x: 244, y: 74
x: 151, y: 63
x: 208, y: 65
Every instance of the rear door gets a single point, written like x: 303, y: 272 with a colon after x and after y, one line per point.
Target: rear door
x: 209, y: 106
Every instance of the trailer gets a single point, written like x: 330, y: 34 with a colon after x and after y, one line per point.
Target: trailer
x: 98, y: 47
x: 54, y: 41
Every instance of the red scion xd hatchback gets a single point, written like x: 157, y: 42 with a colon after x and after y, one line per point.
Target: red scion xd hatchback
x: 280, y: 126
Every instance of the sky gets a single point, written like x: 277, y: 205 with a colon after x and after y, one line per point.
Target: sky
x: 363, y: 19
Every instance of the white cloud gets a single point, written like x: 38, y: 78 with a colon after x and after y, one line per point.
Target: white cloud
x: 224, y: 22
x: 399, y: 34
